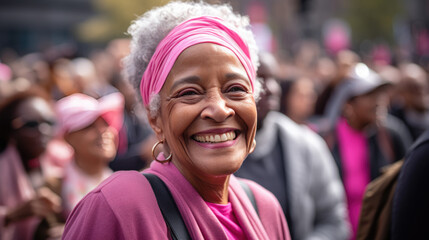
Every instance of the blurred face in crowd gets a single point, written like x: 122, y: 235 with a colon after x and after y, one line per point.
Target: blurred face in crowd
x: 95, y: 143
x: 207, y: 114
x: 345, y: 61
x: 362, y: 111
x: 270, y: 96
x: 416, y: 94
x: 33, y: 127
x: 63, y: 77
x: 414, y: 88
x: 300, y: 100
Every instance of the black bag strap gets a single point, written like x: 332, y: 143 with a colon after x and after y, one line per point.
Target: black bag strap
x: 249, y: 194
x: 170, y: 212
x: 168, y: 208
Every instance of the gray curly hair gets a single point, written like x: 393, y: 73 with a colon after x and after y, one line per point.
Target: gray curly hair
x: 150, y: 28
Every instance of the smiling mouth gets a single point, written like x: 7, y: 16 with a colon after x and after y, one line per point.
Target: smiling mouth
x: 215, y: 138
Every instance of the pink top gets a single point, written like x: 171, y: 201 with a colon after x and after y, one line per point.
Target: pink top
x: 229, y: 222
x: 76, y: 184
x: 124, y: 207
x: 355, y: 165
x: 15, y: 189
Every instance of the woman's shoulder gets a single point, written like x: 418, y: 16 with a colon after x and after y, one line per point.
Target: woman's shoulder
x: 123, y: 192
x: 123, y: 183
x: 124, y: 202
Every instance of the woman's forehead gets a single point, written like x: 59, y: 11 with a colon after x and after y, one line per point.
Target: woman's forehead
x: 34, y: 107
x: 206, y: 50
x: 206, y: 58
x: 207, y: 55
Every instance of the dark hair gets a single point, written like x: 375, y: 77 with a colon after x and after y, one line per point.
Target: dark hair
x: 286, y: 86
x: 8, y: 108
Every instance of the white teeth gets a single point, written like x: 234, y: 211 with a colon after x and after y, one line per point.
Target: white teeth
x: 216, y: 138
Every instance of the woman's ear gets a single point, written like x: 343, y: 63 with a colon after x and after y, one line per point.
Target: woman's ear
x: 252, y: 148
x: 156, y: 123
x: 348, y: 110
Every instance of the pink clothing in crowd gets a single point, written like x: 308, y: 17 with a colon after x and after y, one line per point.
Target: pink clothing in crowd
x: 76, y: 184
x: 356, y: 173
x: 226, y: 217
x: 124, y: 207
x: 15, y: 189
x: 57, y: 155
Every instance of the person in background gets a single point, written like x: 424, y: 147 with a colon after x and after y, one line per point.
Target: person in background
x: 409, y: 210
x: 326, y: 105
x: 27, y: 124
x: 194, y: 65
x: 136, y: 138
x: 295, y: 164
x: 412, y: 106
x: 298, y: 99
x: 364, y: 139
x: 5, y: 79
x: 90, y: 127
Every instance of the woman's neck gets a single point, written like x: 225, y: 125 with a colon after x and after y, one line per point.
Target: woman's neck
x: 355, y: 125
x: 91, y: 168
x: 211, y: 189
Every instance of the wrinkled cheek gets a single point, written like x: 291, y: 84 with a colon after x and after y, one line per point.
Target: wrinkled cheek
x: 175, y: 125
x: 249, y: 116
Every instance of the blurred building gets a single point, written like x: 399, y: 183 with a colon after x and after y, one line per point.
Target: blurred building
x: 28, y: 25
x: 294, y: 20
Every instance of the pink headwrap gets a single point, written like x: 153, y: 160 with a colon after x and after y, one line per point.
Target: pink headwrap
x: 78, y: 111
x: 189, y: 33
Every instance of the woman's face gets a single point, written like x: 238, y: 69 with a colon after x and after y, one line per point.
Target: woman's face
x: 301, y: 100
x: 208, y: 113
x: 94, y: 143
x: 33, y: 127
x: 363, y: 110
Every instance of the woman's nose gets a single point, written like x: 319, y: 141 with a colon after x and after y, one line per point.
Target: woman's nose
x: 216, y: 108
x: 46, y: 129
x: 100, y: 125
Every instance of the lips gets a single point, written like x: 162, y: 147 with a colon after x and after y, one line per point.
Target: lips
x: 215, y: 138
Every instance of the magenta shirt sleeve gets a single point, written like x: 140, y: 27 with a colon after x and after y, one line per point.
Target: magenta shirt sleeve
x: 122, y: 207
x: 95, y: 210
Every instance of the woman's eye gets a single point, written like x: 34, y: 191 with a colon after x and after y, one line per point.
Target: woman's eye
x: 187, y: 92
x: 237, y: 89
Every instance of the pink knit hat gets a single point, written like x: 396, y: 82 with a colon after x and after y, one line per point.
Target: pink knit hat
x: 78, y: 111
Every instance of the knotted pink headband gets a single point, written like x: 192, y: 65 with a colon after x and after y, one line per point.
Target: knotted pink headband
x: 191, y: 32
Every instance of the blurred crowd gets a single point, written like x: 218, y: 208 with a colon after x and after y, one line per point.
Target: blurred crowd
x: 67, y: 122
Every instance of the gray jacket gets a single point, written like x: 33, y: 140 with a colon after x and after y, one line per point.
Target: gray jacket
x: 316, y: 195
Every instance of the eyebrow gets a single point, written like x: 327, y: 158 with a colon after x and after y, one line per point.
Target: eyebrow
x: 190, y: 79
x: 196, y: 79
x: 230, y: 76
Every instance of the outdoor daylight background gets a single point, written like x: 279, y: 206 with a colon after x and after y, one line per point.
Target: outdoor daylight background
x: 373, y: 28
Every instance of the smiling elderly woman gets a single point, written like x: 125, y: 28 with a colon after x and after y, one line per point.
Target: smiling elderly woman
x: 194, y: 64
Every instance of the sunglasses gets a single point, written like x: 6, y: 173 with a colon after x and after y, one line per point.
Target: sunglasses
x: 18, y: 123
